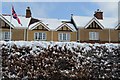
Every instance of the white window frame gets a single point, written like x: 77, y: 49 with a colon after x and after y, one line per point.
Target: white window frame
x: 119, y: 36
x: 64, y: 36
x: 6, y: 36
x: 40, y: 36
x: 93, y: 35
x: 0, y: 35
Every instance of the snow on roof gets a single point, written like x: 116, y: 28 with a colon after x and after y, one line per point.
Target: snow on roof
x: 109, y: 22
x: 72, y: 26
x: 34, y: 24
x: 1, y: 17
x: 52, y: 24
x: 24, y: 21
x: 81, y: 21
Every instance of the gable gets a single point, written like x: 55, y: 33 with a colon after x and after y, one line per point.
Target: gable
x: 4, y: 25
x: 94, y: 25
x: 40, y: 27
x: 33, y: 20
x: 64, y: 28
x: 118, y: 28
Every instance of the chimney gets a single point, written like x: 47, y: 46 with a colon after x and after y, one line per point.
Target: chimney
x: 28, y: 12
x: 98, y: 14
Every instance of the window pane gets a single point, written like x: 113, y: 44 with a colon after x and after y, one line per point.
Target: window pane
x: 35, y: 36
x: 90, y: 35
x: 0, y: 35
x: 40, y: 36
x: 97, y: 36
x: 60, y: 36
x: 68, y: 37
x: 44, y: 36
x: 6, y: 35
x: 64, y: 36
x: 119, y: 36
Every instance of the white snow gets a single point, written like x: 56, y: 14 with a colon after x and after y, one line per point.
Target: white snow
x: 24, y: 21
x: 82, y: 21
x: 51, y: 24
x: 97, y: 63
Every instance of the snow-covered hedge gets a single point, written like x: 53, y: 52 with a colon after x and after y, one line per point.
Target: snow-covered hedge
x: 63, y: 60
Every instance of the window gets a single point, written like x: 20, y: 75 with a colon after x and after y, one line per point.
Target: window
x: 93, y: 36
x: 40, y: 36
x: 0, y: 35
x: 5, y: 35
x: 64, y: 37
x: 119, y: 36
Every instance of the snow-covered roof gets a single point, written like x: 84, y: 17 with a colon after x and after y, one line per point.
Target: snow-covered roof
x: 24, y: 21
x: 34, y: 25
x: 2, y: 17
x: 94, y: 19
x: 52, y: 24
x: 82, y: 21
x: 109, y: 22
x: 117, y: 26
x: 69, y: 25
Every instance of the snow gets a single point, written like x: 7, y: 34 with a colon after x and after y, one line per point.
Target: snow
x: 51, y: 24
x: 67, y: 58
x: 81, y: 21
x: 24, y: 21
x: 107, y: 23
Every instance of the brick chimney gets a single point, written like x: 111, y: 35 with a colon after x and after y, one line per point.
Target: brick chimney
x: 28, y: 12
x: 99, y: 14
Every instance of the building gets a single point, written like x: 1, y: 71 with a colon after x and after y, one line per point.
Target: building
x: 80, y: 28
x: 97, y: 28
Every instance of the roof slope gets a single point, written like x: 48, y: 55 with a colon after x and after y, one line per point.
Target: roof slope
x: 52, y: 24
x: 82, y: 21
x: 24, y: 21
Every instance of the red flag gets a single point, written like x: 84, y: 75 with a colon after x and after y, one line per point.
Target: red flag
x: 15, y: 15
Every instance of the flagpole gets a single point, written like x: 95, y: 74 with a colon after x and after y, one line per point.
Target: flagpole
x: 109, y: 36
x: 10, y: 27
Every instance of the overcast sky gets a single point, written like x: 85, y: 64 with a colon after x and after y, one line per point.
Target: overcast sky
x: 62, y: 10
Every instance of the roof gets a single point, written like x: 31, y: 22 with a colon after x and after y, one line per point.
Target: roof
x: 4, y: 19
x: 82, y: 21
x: 52, y: 24
x: 24, y: 21
x: 94, y: 19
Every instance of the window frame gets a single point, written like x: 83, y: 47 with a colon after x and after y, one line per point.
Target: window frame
x: 93, y: 35
x: 119, y: 36
x: 6, y: 36
x: 40, y: 36
x: 64, y: 36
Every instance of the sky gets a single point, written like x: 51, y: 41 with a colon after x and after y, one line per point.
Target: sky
x: 62, y: 10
